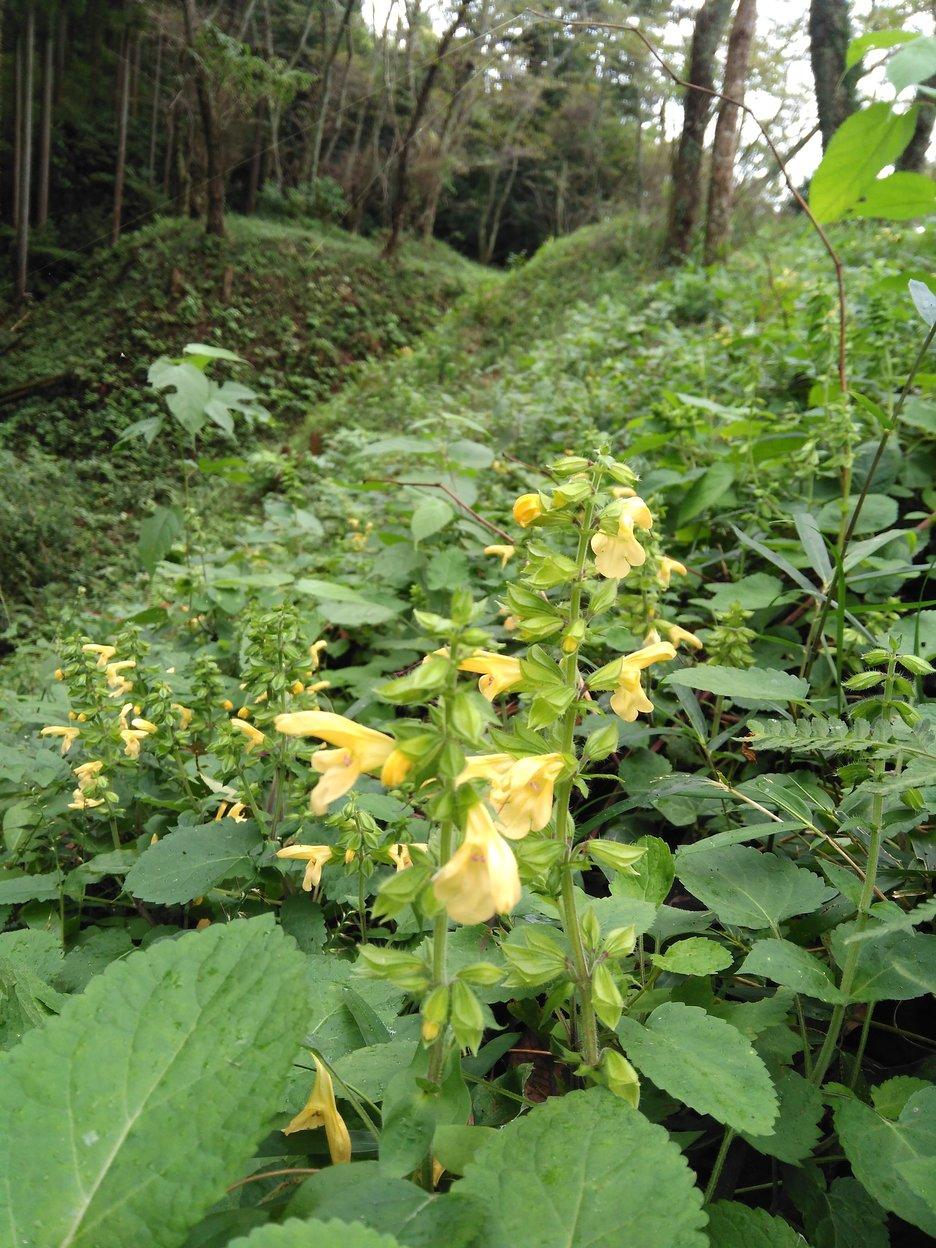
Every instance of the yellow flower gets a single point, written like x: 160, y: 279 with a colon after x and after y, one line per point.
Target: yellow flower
x: 321, y: 1110
x: 87, y: 772
x: 395, y: 769
x: 315, y: 653
x: 244, y: 712
x: 185, y: 715
x: 317, y: 686
x: 400, y: 854
x: 498, y: 672
x: 527, y: 508
x: 144, y: 725
x: 677, y: 635
x: 58, y: 674
x: 521, y: 789
x: 104, y: 653
x: 68, y: 734
x: 667, y: 568
x: 234, y: 811
x: 297, y: 687
x: 254, y: 736
x: 81, y: 801
x: 227, y: 705
x: 314, y: 855
x: 616, y: 553
x: 117, y: 682
x: 629, y: 699
x: 481, y: 878
x: 622, y: 491
x: 359, y: 749
x: 504, y: 553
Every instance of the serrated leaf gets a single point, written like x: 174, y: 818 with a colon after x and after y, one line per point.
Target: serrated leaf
x: 191, y: 860
x: 878, y: 1149
x: 796, y: 1132
x: 749, y: 888
x: 860, y: 148
x: 22, y: 888
x: 149, y: 1092
x: 553, y: 1179
x: 705, y: 1062
x: 430, y: 516
x: 697, y: 955
x: 653, y: 873
x: 294, y: 1233
x: 733, y: 1225
x: 898, y: 967
x: 157, y: 534
x: 845, y: 1216
x: 787, y: 964
x: 754, y: 684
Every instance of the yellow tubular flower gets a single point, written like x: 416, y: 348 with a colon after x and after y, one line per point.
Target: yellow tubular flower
x: 86, y: 773
x: 400, y: 854
x: 235, y: 811
x: 677, y: 635
x: 498, y: 672
x: 629, y: 699
x: 185, y: 715
x: 504, y: 553
x: 254, y: 736
x: 667, y: 568
x: 81, y: 801
x: 616, y: 553
x: 314, y: 855
x: 104, y: 653
x: 144, y: 725
x: 526, y: 509
x: 68, y: 734
x: 523, y: 799
x: 359, y: 749
x: 321, y: 1110
x: 395, y: 769
x: 481, y: 878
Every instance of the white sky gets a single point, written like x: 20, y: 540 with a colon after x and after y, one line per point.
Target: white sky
x: 772, y: 15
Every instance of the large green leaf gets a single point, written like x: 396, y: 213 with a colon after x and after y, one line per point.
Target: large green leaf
x: 122, y: 1120
x: 754, y: 684
x: 189, y: 861
x: 705, y: 492
x: 894, y: 1161
x: 315, y: 1234
x: 785, y: 963
x: 899, y: 197
x: 912, y: 64
x: 858, y: 151
x: 845, y: 1216
x: 898, y: 966
x: 733, y: 1225
x: 796, y: 1132
x: 584, y: 1171
x: 705, y: 1062
x: 749, y: 888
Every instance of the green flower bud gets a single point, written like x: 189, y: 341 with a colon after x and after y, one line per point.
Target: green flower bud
x: 615, y: 855
x: 915, y: 665
x: 621, y: 1077
x: 467, y: 1016
x: 484, y: 974
x: 606, y: 996
x: 621, y: 941
x: 602, y: 742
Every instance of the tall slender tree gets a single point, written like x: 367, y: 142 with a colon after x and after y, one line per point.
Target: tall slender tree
x: 829, y: 36
x: 725, y: 143
x: 211, y: 138
x: 686, y: 192
x: 28, y: 45
x: 123, y: 115
x: 45, y: 122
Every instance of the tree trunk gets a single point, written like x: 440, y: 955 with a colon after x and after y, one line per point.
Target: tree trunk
x: 17, y: 128
x: 685, y: 195
x: 256, y: 156
x: 401, y: 184
x: 123, y: 112
x: 2, y: 6
x: 339, y: 111
x: 829, y: 35
x: 214, y: 213
x: 913, y: 158
x: 154, y: 113
x: 45, y: 128
x: 725, y: 144
x: 490, y: 242
x: 25, y: 169
x: 316, y: 154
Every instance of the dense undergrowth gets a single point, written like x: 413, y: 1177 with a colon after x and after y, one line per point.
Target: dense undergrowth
x: 694, y: 785
x: 303, y: 305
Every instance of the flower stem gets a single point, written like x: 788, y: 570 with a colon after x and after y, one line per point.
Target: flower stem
x: 439, y: 948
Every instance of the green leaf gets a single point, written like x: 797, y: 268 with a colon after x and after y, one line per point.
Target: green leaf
x: 749, y: 888
x: 654, y: 873
x: 899, y: 966
x: 584, y: 1170
x: 150, y: 1091
x: 369, y: 1070
x: 29, y: 888
x: 796, y: 1132
x: 923, y: 300
x: 880, y: 1149
x: 878, y: 512
x: 191, y: 860
x: 845, y: 1216
x: 753, y: 592
x: 705, y: 492
x: 912, y: 64
x: 697, y: 955
x: 430, y: 516
x: 202, y: 352
x: 898, y: 197
x: 157, y: 534
x: 733, y: 1225
x: 455, y: 1146
x: 857, y: 152
x: 787, y: 964
x: 891, y: 1096
x: 876, y: 39
x: 391, y: 1206
x: 296, y: 1234
x: 705, y: 1062
x: 190, y: 391
x: 754, y: 684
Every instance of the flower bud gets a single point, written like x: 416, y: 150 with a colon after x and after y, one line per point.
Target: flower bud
x: 608, y: 1002
x: 467, y: 1016
x: 620, y: 943
x: 615, y: 855
x: 621, y: 1077
x: 484, y: 974
x: 915, y: 665
x: 602, y: 742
